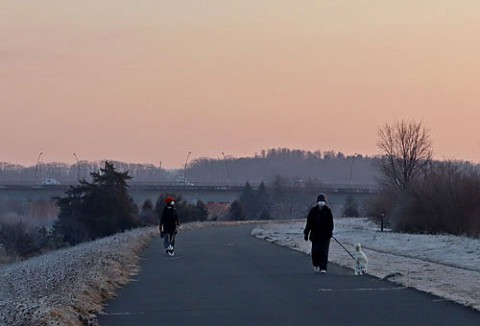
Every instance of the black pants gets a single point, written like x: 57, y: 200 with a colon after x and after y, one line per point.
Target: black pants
x: 320, y: 253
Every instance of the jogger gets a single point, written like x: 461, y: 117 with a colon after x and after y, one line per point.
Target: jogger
x: 168, y: 226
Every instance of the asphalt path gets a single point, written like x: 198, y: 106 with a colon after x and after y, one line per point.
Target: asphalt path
x: 224, y: 276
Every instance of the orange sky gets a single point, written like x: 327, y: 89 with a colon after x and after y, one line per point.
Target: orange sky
x: 150, y: 80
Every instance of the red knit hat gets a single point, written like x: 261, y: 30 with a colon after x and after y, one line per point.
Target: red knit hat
x: 169, y: 199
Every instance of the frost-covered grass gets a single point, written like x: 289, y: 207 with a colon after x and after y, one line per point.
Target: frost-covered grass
x: 444, y: 265
x: 68, y: 286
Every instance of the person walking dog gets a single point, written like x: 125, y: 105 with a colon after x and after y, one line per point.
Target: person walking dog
x: 319, y: 230
x: 168, y: 226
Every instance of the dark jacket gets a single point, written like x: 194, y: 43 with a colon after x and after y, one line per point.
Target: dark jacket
x: 169, y: 220
x: 319, y: 224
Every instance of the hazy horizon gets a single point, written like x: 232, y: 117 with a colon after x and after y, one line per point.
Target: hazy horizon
x: 151, y: 81
x: 229, y: 157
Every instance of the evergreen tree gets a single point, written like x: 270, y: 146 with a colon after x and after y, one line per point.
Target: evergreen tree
x: 280, y: 189
x: 148, y: 215
x: 264, y: 203
x: 97, y: 209
x: 147, y: 206
x: 249, y: 202
x: 236, y: 212
x: 193, y: 213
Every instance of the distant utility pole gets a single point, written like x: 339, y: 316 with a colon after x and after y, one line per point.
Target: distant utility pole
x: 36, y: 165
x: 78, y: 166
x: 185, y: 169
x: 351, y: 167
x: 226, y: 168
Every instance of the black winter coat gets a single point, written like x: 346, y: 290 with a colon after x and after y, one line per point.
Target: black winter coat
x: 169, y: 220
x: 319, y: 224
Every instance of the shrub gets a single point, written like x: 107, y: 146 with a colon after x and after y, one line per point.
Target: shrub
x: 350, y: 207
x: 447, y: 201
x: 383, y: 204
x: 148, y: 216
x: 17, y: 240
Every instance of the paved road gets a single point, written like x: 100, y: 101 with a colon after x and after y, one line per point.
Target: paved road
x: 224, y: 276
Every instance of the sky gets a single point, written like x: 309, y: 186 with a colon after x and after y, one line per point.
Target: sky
x: 152, y: 80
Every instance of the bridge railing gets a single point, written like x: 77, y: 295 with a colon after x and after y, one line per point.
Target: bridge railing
x: 353, y: 188
x: 176, y: 187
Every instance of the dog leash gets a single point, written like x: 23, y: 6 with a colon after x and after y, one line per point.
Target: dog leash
x: 343, y: 247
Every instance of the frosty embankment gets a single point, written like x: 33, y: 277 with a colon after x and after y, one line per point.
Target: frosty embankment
x: 69, y: 286
x: 444, y: 265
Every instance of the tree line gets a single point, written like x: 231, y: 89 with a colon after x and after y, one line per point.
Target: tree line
x: 71, y: 173
x: 280, y: 200
x: 326, y: 167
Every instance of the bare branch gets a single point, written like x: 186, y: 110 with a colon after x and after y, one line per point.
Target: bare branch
x: 407, y: 152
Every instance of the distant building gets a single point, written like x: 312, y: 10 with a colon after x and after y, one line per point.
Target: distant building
x: 217, y: 211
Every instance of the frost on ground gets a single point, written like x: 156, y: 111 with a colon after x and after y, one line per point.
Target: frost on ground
x: 447, y: 266
x: 68, y: 287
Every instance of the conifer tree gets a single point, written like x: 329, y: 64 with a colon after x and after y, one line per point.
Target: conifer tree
x: 148, y: 215
x: 236, y: 212
x: 97, y: 209
x: 264, y: 202
x: 249, y: 201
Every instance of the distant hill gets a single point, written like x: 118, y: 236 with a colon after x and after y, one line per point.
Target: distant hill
x: 294, y: 165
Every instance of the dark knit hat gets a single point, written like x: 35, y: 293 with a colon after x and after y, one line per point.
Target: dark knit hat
x: 322, y: 197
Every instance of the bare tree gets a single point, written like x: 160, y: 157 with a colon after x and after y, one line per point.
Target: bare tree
x: 407, y: 152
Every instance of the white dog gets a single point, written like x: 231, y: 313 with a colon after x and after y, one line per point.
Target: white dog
x: 361, y: 261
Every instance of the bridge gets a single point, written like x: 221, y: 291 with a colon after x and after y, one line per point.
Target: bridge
x: 337, y: 193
